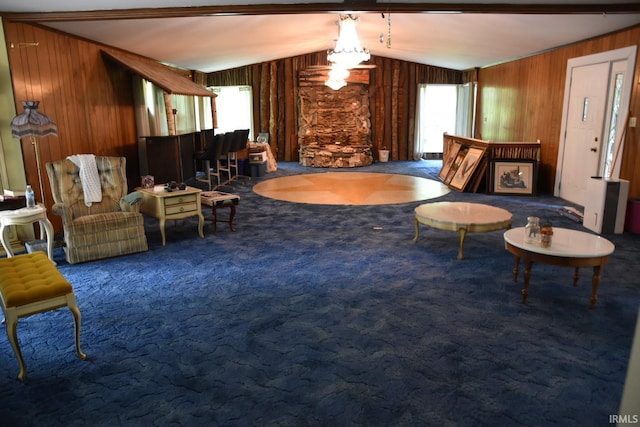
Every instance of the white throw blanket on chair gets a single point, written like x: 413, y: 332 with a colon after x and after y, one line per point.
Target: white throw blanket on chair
x: 89, y: 177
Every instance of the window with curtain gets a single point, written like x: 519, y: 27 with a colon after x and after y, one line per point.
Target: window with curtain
x: 192, y: 113
x: 234, y: 108
x: 185, y: 113
x: 442, y: 108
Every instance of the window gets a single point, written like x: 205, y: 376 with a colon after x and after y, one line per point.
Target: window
x: 440, y: 109
x: 234, y: 108
x: 191, y: 113
x: 610, y: 143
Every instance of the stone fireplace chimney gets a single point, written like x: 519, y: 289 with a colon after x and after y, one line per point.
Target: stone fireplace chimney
x: 334, y: 127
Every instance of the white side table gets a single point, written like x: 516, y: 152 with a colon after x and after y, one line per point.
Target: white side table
x: 569, y: 248
x: 26, y: 216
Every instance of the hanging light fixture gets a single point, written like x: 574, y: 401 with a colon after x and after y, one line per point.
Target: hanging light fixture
x: 34, y: 124
x: 348, y: 52
x: 337, y: 77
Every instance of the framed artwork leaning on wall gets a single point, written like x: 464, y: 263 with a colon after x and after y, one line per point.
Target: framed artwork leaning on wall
x: 514, y: 177
x: 448, y: 161
x: 468, y: 165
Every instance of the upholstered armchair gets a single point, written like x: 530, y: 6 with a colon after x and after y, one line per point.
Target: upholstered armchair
x: 100, y: 229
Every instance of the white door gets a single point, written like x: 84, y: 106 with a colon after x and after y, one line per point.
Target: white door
x: 584, y: 130
x: 596, y: 103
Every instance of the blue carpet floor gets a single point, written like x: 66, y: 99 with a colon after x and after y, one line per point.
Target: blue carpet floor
x: 317, y: 315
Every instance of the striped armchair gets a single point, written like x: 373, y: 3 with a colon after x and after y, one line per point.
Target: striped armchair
x: 114, y: 226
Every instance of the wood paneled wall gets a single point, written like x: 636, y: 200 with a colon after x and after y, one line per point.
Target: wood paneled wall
x: 392, y: 99
x: 90, y: 101
x: 522, y: 101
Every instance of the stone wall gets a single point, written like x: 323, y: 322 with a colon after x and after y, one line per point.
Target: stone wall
x: 334, y: 127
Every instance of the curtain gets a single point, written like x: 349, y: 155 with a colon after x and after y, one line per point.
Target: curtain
x: 185, y: 113
x: 149, y: 107
x: 420, y: 145
x: 151, y: 114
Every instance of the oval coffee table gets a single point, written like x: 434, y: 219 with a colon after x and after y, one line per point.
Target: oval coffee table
x: 570, y: 248
x: 462, y: 217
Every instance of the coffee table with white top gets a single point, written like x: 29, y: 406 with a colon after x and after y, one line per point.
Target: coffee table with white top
x: 570, y: 248
x: 463, y: 217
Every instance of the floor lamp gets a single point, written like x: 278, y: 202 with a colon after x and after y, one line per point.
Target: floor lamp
x: 34, y: 124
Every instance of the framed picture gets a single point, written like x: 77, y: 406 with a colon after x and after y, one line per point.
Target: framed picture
x: 467, y: 167
x: 514, y: 176
x: 447, y: 162
x: 455, y: 165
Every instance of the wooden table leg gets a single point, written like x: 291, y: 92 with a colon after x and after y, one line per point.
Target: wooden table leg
x: 595, y: 284
x: 214, y: 214
x: 232, y: 214
x: 463, y: 233
x: 516, y: 267
x: 162, y: 232
x: 415, y: 239
x: 201, y: 224
x: 527, y: 276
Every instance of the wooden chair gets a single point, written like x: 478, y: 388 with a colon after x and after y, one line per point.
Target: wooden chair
x: 31, y: 284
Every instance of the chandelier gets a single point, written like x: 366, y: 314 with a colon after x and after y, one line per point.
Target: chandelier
x: 337, y: 77
x: 348, y: 52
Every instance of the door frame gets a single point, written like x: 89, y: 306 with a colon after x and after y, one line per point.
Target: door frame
x: 623, y: 54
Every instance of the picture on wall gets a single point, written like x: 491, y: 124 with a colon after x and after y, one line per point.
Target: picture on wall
x: 447, y: 162
x: 514, y: 176
x: 466, y: 168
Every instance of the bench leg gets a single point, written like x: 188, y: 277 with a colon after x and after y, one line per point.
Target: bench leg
x: 11, y: 321
x: 77, y: 318
x: 232, y: 214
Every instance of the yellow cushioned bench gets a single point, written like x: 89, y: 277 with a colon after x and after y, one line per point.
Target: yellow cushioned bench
x: 31, y: 284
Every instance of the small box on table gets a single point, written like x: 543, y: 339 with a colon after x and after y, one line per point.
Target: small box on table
x: 258, y: 157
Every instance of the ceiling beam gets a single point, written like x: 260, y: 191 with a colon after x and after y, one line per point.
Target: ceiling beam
x: 347, y: 5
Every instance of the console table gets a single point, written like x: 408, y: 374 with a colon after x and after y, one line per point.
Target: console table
x: 178, y: 204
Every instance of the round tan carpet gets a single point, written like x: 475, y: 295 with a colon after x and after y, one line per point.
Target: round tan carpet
x: 350, y: 188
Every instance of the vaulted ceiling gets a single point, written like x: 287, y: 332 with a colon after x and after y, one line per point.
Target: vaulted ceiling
x: 216, y: 35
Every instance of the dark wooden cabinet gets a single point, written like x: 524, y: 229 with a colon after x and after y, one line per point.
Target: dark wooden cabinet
x: 170, y: 158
